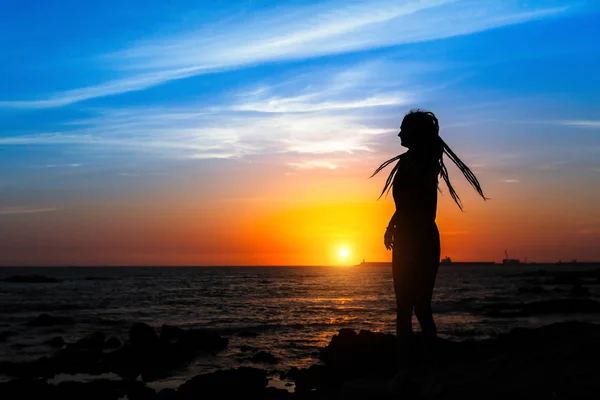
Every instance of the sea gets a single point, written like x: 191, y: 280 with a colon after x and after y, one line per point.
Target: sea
x: 291, y: 312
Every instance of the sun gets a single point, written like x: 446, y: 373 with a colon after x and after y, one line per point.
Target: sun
x: 343, y: 253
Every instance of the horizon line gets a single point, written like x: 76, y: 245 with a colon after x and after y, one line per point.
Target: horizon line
x: 559, y: 262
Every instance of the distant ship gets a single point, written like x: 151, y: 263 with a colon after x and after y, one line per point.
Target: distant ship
x: 510, y: 261
x: 572, y: 261
x: 446, y: 260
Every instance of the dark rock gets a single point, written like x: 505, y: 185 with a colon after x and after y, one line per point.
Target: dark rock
x: 141, y: 393
x: 144, y: 354
x: 156, y: 357
x: 80, y: 390
x: 272, y: 393
x: 142, y: 335
x: 171, y: 334
x: 246, y: 382
x: 289, y: 384
x: 264, y: 357
x: 112, y: 343
x: 46, y: 320
x: 95, y: 341
x: 167, y: 394
x: 98, y: 337
x: 30, y: 279
x: 365, y: 351
x: 103, y: 389
x: 290, y: 374
x: 317, y: 377
x: 556, y: 361
x: 20, y: 389
x: 5, y: 335
x: 57, y: 341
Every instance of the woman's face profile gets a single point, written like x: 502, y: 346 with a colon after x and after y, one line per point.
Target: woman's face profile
x: 406, y: 134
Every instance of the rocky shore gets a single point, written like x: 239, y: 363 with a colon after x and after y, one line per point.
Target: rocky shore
x: 558, y: 361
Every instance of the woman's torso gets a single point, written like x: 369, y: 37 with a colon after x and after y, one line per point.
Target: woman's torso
x: 415, y: 190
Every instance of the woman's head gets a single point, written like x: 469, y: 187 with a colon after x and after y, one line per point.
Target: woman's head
x: 419, y: 132
x: 419, y: 129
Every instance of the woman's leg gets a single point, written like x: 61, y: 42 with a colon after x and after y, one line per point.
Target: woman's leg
x: 427, y: 269
x: 404, y: 304
x: 422, y: 302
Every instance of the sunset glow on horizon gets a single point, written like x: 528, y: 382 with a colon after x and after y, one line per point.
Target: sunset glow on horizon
x: 245, y: 133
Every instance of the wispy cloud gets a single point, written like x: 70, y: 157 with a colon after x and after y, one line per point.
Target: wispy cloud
x: 511, y: 181
x: 299, y: 104
x: 237, y: 136
x: 294, y: 33
x: 313, y: 112
x: 130, y: 84
x: 582, y: 123
x: 312, y: 164
x: 62, y: 165
x: 24, y: 210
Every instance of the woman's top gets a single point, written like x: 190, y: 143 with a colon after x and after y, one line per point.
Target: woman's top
x: 415, y: 189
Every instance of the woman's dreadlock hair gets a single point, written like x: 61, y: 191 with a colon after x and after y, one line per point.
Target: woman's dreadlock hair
x: 429, y: 138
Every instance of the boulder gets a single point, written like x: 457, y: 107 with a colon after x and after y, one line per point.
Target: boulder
x: 5, y: 335
x: 143, y: 336
x: 171, y: 334
x: 290, y: 374
x: 167, y: 394
x: 245, y: 382
x: 56, y: 341
x: 20, y: 389
x: 156, y: 357
x: 264, y: 357
x: 112, y: 343
x: 95, y: 341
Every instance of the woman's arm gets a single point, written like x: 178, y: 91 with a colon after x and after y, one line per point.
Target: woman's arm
x: 388, y: 237
x: 393, y: 221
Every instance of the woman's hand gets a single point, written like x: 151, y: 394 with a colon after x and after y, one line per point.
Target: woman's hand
x: 388, y: 238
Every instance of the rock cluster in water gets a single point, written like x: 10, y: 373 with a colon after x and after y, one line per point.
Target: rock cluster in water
x: 146, y: 354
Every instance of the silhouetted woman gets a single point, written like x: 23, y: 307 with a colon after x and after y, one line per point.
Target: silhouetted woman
x: 412, y: 233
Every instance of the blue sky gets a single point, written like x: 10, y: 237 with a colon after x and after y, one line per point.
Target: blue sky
x: 100, y: 97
